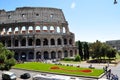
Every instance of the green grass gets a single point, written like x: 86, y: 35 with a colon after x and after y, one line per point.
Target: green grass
x: 44, y: 67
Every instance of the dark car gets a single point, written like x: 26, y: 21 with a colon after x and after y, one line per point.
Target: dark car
x: 25, y: 76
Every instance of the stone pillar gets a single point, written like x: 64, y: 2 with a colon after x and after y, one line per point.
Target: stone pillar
x: 27, y: 29
x: 49, y: 55
x: 55, y: 29
x: 35, y: 55
x: 61, y: 29
x: 19, y: 29
x: 26, y: 41
x: 56, y: 55
x: 42, y: 55
x: 48, y: 29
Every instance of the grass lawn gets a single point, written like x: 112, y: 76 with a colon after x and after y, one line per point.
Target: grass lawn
x: 69, y: 70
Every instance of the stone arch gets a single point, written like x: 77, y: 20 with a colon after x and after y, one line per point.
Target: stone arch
x: 58, y: 29
x: 16, y: 56
x: 64, y: 30
x: 71, y: 53
x: 59, y: 54
x: 38, y: 42
x: 65, y: 53
x: 23, y: 42
x: 45, y: 42
x: 65, y: 41
x: 23, y: 30
x: 23, y: 56
x: 30, y: 42
x: 46, y: 55
x: 31, y: 55
x: 30, y: 29
x: 52, y: 41
x: 70, y: 41
x: 9, y: 43
x: 59, y: 41
x: 9, y: 31
x: 38, y: 55
x: 37, y: 29
x: 53, y: 55
x: 52, y: 29
x: 16, y: 42
x: 16, y: 30
x: 3, y: 31
x: 45, y: 29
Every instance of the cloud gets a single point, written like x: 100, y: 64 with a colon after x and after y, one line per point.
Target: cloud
x: 73, y: 5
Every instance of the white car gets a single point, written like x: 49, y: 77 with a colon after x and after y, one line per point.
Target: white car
x: 6, y: 75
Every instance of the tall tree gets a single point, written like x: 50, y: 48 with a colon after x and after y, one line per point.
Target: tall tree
x: 86, y: 51
x: 6, y: 58
x: 80, y: 50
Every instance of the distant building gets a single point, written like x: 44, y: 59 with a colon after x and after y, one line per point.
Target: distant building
x: 37, y: 33
x: 114, y: 43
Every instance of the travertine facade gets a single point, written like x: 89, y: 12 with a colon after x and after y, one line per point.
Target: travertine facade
x: 37, y: 33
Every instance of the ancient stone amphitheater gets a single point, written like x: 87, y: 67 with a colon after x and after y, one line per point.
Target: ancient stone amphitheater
x: 35, y: 33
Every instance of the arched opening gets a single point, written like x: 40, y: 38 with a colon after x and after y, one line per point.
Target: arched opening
x: 65, y: 41
x: 52, y: 41
x: 30, y: 29
x: 45, y: 29
x: 65, y: 53
x: 30, y: 42
x: 38, y: 55
x: 31, y: 55
x: 70, y: 41
x: 45, y: 42
x: 16, y: 56
x: 23, y: 56
x: 38, y: 42
x: 16, y: 43
x: 53, y: 55
x: 59, y: 54
x: 58, y: 29
x: 9, y: 31
x: 52, y: 30
x: 71, y: 53
x: 37, y: 29
x: 46, y: 55
x: 16, y: 30
x: 23, y: 30
x: 23, y: 42
x: 9, y: 43
x: 3, y: 31
x: 64, y: 30
x: 59, y: 41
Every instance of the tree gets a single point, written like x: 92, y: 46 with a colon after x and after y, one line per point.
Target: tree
x: 86, y: 51
x: 6, y: 58
x: 111, y: 53
x: 80, y: 50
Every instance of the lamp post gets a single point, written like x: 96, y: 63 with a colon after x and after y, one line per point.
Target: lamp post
x: 115, y: 1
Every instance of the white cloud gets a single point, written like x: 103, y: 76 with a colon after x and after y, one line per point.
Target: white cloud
x: 73, y: 5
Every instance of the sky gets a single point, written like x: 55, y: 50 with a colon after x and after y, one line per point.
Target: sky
x: 89, y: 20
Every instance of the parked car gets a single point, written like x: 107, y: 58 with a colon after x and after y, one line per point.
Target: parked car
x: 25, y: 76
x: 6, y: 75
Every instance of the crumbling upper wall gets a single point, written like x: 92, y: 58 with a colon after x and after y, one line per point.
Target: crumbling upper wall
x: 32, y: 14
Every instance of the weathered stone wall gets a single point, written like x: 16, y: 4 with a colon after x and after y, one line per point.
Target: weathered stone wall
x: 32, y: 14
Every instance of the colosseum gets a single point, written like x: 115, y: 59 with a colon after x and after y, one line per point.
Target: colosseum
x: 35, y: 33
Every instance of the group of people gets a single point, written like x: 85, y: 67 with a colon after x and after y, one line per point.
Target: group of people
x: 111, y: 76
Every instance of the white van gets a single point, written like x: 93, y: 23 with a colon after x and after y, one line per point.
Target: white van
x: 53, y: 77
x: 6, y: 75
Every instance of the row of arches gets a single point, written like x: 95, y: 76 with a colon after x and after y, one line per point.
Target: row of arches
x: 37, y: 42
x: 32, y: 29
x: 45, y: 55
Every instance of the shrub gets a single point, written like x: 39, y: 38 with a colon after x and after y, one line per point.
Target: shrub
x: 68, y: 59
x: 77, y: 58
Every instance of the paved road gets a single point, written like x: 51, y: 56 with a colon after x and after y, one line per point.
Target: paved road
x: 115, y: 70
x: 19, y: 72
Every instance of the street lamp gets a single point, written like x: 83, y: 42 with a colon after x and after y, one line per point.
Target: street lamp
x: 115, y: 1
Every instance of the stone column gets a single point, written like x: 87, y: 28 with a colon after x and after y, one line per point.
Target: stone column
x: 26, y: 41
